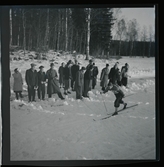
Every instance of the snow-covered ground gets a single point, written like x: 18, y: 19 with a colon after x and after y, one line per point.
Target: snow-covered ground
x: 65, y: 130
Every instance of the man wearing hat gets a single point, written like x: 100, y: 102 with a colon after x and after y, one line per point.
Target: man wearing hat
x: 31, y: 78
x: 104, y: 77
x: 74, y: 69
x: 124, y: 74
x: 41, y: 83
x: 90, y: 63
x: 88, y: 76
x: 79, y: 83
x: 53, y: 83
x: 114, y: 74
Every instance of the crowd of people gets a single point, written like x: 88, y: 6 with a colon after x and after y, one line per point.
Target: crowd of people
x: 71, y: 78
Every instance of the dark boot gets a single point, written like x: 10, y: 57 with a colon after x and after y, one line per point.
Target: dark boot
x: 60, y: 96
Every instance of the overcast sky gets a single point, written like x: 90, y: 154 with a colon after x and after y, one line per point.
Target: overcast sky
x: 144, y: 16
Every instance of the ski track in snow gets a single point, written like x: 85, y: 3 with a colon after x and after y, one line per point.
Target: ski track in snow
x: 64, y: 130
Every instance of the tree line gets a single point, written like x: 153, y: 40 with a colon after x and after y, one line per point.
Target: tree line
x: 84, y: 30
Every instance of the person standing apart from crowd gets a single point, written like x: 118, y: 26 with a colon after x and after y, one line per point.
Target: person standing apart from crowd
x: 67, y: 77
x: 41, y: 83
x: 124, y: 74
x: 87, y: 79
x: 119, y: 95
x: 31, y: 78
x: 53, y: 83
x: 74, y: 69
x: 61, y: 74
x: 79, y: 83
x: 114, y: 74
x: 104, y: 77
x: 18, y: 84
x: 95, y: 73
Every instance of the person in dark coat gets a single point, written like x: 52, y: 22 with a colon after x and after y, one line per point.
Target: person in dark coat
x: 41, y: 83
x: 104, y: 77
x: 79, y: 83
x: 74, y: 69
x: 61, y: 74
x: 124, y: 74
x: 67, y: 77
x: 53, y: 83
x: 87, y: 79
x: 18, y: 84
x: 31, y: 78
x: 119, y: 95
x: 95, y: 73
x: 114, y: 73
x: 90, y: 63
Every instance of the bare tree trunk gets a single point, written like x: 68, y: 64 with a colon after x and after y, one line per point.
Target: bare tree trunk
x: 119, y: 48
x: 131, y: 51
x: 10, y: 27
x: 149, y: 49
x: 58, y: 39
x: 38, y: 34
x: 24, y: 30
x: 88, y: 34
x: 66, y: 31
x: 46, y: 39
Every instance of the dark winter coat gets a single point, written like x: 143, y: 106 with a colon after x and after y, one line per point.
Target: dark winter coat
x: 18, y: 82
x: 53, y: 84
x: 41, y: 77
x: 114, y: 75
x: 104, y: 77
x: 95, y: 73
x: 31, y: 77
x: 74, y: 70
x: 61, y: 74
x: 67, y: 72
x: 79, y: 84
x: 124, y: 72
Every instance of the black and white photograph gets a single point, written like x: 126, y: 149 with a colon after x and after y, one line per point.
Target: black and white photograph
x: 82, y: 83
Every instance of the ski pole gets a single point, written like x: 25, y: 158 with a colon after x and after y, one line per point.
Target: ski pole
x: 104, y: 103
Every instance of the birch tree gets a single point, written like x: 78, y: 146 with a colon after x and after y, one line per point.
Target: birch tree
x: 88, y: 33
x: 10, y: 27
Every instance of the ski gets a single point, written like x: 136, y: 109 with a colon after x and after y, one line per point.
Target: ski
x: 112, y: 114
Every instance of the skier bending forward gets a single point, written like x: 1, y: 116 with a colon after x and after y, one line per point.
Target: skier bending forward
x: 119, y: 95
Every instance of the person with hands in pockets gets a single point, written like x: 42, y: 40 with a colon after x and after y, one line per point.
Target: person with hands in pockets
x: 31, y: 78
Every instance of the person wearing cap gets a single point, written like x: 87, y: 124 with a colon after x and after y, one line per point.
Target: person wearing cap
x: 74, y: 69
x: 119, y: 94
x: 87, y: 80
x: 79, y: 83
x: 95, y: 73
x: 67, y: 77
x: 41, y: 83
x: 124, y: 74
x: 31, y: 77
x: 61, y: 74
x: 53, y: 83
x: 18, y: 83
x: 90, y: 63
x: 104, y: 77
x: 114, y: 74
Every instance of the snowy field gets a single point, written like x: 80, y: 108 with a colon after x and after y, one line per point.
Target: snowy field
x: 65, y: 130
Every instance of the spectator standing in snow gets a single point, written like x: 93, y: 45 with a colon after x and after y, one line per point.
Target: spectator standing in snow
x: 90, y: 63
x: 61, y: 74
x: 53, y: 84
x: 79, y: 83
x: 119, y: 95
x: 31, y: 78
x: 104, y: 77
x: 67, y: 77
x: 88, y: 76
x: 74, y: 69
x: 95, y: 73
x: 124, y: 74
x: 41, y: 83
x: 114, y: 73
x: 18, y: 83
